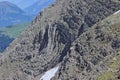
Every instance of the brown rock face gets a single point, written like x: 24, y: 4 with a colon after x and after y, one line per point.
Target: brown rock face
x: 47, y: 41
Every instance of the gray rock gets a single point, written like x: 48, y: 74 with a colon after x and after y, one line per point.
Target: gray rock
x: 90, y: 54
x: 47, y: 41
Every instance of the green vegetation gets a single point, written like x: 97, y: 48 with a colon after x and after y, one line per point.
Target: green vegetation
x: 114, y: 70
x: 113, y: 64
x: 8, y: 34
x: 13, y: 31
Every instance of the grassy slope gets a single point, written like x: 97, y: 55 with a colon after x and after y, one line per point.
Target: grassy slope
x: 8, y: 34
x: 113, y: 72
x: 14, y: 31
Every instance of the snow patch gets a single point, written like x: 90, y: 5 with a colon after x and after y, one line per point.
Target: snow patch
x: 71, y: 48
x: 49, y: 74
x: 117, y: 12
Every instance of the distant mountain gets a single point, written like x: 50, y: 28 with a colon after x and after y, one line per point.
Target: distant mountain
x: 4, y: 41
x: 9, y: 33
x: 24, y: 4
x: 21, y: 3
x: 38, y: 6
x: 11, y: 14
x: 13, y: 31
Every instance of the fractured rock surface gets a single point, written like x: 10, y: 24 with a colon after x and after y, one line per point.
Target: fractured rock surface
x: 62, y: 35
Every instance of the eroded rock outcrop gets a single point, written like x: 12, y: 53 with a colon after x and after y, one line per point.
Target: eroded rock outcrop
x: 90, y: 53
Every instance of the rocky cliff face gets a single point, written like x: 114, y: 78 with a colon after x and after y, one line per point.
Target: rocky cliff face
x: 90, y: 53
x: 62, y: 35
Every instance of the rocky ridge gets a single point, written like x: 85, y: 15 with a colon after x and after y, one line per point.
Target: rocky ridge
x: 91, y: 52
x: 61, y: 35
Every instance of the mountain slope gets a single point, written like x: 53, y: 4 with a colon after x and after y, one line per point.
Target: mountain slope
x: 95, y: 54
x: 10, y: 14
x: 22, y: 4
x: 14, y: 30
x: 38, y: 6
x: 46, y: 43
x: 4, y: 41
x: 9, y: 33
